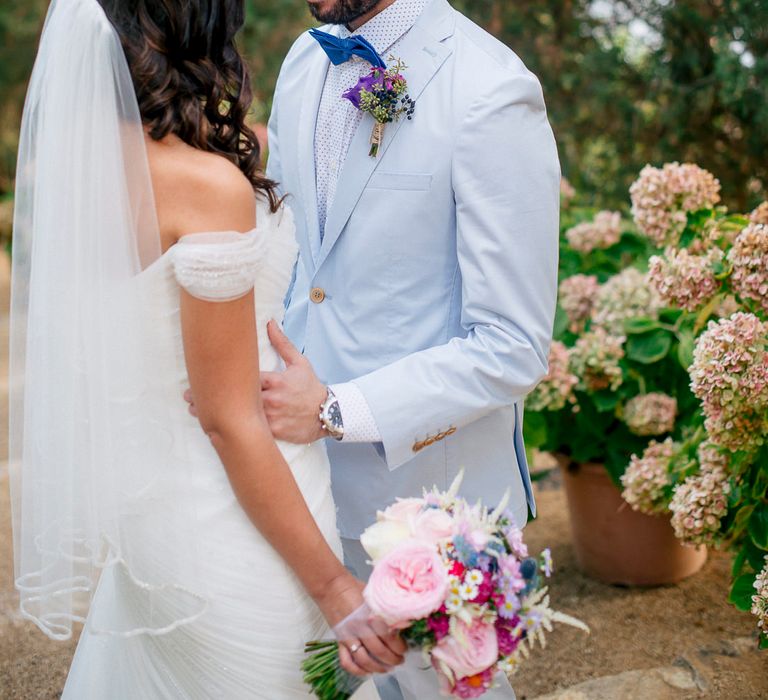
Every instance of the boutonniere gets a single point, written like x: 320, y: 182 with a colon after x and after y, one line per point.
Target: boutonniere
x: 383, y: 94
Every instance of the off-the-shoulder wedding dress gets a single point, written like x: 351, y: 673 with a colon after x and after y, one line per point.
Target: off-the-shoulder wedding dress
x: 247, y: 640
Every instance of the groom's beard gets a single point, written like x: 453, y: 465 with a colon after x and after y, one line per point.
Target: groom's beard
x: 340, y: 11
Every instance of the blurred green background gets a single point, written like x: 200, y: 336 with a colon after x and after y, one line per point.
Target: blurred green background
x: 627, y: 82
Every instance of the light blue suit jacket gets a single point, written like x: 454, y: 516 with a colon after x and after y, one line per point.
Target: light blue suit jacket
x: 438, y: 264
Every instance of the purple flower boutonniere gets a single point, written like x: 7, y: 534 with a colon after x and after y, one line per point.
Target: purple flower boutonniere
x: 383, y: 94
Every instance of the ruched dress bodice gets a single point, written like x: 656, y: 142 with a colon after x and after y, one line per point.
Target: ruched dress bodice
x: 222, y: 266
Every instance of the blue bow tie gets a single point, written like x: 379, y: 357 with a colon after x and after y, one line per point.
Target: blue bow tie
x: 341, y: 50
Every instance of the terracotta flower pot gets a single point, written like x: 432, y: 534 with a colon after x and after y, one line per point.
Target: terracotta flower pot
x: 616, y: 544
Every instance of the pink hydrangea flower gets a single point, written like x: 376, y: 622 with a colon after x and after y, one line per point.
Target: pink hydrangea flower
x: 760, y: 214
x: 651, y: 414
x: 567, y: 192
x: 624, y: 296
x: 577, y: 295
x: 595, y: 360
x: 647, y: 477
x: 700, y: 502
x: 556, y: 389
x: 729, y: 375
x: 602, y: 232
x: 749, y: 258
x: 684, y: 280
x: 662, y: 198
x: 760, y: 599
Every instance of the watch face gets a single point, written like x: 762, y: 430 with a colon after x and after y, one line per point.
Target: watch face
x: 334, y: 415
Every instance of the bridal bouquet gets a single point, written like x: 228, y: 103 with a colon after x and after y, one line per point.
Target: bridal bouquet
x: 457, y: 581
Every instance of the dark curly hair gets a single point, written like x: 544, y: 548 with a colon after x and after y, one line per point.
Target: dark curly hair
x: 189, y: 77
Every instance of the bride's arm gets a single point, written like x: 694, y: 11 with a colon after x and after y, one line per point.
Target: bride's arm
x: 221, y: 351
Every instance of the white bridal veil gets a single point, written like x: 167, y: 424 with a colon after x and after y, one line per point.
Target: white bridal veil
x: 86, y: 492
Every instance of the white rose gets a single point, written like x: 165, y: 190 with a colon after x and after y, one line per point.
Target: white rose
x: 381, y: 537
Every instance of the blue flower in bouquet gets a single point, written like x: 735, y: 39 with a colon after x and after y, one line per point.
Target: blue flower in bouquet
x: 529, y: 568
x: 465, y: 552
x: 485, y: 562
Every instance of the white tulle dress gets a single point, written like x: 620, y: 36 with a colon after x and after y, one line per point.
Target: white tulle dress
x: 247, y: 638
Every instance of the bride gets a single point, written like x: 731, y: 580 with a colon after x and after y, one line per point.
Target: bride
x: 150, y: 254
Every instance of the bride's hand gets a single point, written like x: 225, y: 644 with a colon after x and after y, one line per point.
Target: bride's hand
x: 373, y: 648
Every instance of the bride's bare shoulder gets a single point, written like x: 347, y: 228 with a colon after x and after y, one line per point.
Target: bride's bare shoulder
x: 197, y: 191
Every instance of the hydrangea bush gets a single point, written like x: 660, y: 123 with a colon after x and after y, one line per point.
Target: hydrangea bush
x: 608, y: 389
x: 714, y: 269
x: 667, y: 335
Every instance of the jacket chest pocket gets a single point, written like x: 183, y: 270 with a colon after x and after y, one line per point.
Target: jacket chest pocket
x: 415, y: 182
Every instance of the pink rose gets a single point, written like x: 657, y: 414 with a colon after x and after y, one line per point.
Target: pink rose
x: 471, y: 649
x: 404, y: 510
x: 408, y: 583
x: 433, y: 526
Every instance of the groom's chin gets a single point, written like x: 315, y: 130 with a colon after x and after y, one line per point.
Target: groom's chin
x: 327, y: 11
x: 340, y: 11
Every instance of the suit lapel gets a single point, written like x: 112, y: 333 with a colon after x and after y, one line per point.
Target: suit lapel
x: 314, y: 81
x: 424, y: 54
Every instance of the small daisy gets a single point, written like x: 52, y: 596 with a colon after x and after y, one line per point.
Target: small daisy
x: 468, y: 591
x: 509, y: 665
x: 454, y: 585
x: 454, y: 603
x: 475, y: 577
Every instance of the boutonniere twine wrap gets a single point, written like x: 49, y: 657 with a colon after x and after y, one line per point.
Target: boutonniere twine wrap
x: 383, y: 94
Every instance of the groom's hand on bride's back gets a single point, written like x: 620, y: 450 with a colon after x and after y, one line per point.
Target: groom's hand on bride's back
x: 291, y: 399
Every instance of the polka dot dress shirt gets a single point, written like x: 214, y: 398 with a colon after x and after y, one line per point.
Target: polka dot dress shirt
x: 337, y: 122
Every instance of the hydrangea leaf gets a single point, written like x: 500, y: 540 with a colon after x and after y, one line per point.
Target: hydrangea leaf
x: 742, y: 591
x: 647, y: 348
x: 758, y: 526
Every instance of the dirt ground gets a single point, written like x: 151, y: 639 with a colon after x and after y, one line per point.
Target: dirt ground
x: 688, y: 625
x: 631, y: 629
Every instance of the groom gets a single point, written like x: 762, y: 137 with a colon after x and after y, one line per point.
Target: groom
x: 425, y: 289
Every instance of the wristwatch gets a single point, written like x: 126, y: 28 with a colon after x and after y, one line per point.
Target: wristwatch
x: 330, y: 416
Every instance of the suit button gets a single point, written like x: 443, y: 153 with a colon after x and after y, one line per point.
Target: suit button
x: 317, y: 295
x: 418, y: 446
x: 450, y: 431
x: 429, y: 441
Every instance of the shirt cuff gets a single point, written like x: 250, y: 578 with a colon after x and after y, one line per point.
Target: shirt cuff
x: 359, y: 424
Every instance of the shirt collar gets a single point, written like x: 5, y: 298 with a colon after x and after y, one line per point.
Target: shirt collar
x: 390, y: 25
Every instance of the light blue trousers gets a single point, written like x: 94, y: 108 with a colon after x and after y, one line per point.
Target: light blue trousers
x: 410, y: 681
